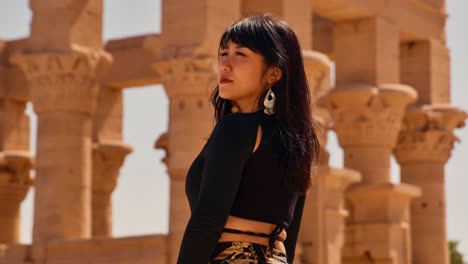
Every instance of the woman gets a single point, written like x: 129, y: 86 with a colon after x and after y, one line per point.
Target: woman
x: 246, y: 188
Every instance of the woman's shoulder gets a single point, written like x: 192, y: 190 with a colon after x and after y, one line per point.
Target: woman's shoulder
x: 237, y: 126
x: 241, y: 120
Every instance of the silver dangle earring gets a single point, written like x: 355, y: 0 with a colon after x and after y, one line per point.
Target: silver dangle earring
x: 269, y: 102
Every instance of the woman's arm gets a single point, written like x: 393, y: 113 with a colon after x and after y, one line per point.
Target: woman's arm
x: 231, y: 145
x: 293, y: 229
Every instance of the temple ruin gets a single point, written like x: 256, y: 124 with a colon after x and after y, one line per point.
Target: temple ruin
x: 390, y: 96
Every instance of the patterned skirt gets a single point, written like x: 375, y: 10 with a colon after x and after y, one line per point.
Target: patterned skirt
x: 238, y: 252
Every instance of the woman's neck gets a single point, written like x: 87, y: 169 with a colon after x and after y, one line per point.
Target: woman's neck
x: 246, y: 108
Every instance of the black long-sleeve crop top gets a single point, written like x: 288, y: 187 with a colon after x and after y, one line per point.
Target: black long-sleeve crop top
x: 228, y: 178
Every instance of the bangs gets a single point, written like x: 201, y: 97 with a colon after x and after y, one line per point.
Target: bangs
x: 248, y: 33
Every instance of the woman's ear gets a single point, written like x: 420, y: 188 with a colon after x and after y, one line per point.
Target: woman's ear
x: 275, y: 74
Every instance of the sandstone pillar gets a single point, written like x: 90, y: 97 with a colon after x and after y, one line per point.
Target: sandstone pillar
x: 322, y: 231
x: 367, y: 120
x: 108, y: 157
x: 62, y: 67
x: 14, y: 126
x: 15, y: 158
x: 190, y: 122
x: 64, y: 93
x: 188, y: 72
x: 424, y: 145
x: 15, y: 182
x: 109, y: 153
x: 317, y: 67
x: 367, y: 108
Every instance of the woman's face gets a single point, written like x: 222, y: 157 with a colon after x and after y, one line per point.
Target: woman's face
x: 241, y: 75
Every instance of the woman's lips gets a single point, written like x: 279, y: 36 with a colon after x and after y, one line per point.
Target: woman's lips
x: 225, y: 81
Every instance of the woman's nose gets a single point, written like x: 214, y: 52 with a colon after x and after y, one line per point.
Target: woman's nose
x: 225, y: 65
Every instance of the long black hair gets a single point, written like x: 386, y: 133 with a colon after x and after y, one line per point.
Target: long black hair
x: 273, y: 38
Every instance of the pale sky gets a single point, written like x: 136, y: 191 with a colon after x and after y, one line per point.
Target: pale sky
x: 141, y: 199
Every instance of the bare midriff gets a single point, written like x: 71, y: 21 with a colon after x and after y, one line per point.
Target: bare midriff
x: 253, y: 226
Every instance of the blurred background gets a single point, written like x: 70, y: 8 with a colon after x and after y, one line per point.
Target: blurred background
x: 143, y: 176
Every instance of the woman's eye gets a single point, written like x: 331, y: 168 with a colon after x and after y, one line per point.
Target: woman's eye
x: 237, y: 53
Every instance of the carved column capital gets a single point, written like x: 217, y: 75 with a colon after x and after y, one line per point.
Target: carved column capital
x: 108, y: 157
x: 15, y: 178
x: 188, y: 76
x: 163, y: 143
x: 15, y: 181
x: 64, y: 81
x: 317, y: 67
x: 335, y: 181
x: 367, y: 115
x: 18, y: 165
x: 427, y: 133
x: 324, y: 119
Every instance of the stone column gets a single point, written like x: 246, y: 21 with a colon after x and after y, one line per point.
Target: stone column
x: 367, y: 107
x: 15, y: 158
x: 109, y: 153
x: 188, y: 72
x: 14, y: 128
x: 108, y: 157
x: 191, y: 120
x: 322, y: 231
x: 15, y: 182
x: 367, y: 120
x: 162, y: 143
x: 424, y: 145
x: 64, y: 92
x: 317, y: 68
x: 335, y: 213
